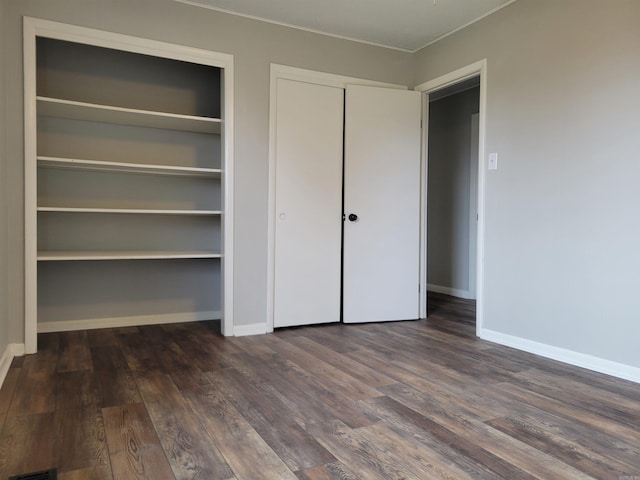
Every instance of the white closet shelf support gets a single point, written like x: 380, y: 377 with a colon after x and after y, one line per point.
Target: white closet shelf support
x: 56, y: 107
x: 125, y: 167
x: 125, y: 255
x: 129, y: 211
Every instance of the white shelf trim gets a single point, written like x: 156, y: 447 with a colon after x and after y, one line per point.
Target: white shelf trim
x: 125, y: 255
x: 154, y: 169
x: 146, y: 211
x: 57, y: 107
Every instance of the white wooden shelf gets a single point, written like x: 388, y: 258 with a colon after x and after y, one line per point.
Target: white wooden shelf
x: 124, y: 255
x: 56, y: 107
x: 128, y: 211
x: 142, y: 168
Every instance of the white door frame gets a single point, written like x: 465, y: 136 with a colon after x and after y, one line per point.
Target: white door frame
x: 473, y: 204
x: 475, y: 69
x: 300, y: 75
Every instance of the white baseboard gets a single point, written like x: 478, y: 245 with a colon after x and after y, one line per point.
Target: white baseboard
x: 615, y: 369
x: 132, y: 321
x: 12, y: 350
x: 251, y: 329
x: 454, y: 292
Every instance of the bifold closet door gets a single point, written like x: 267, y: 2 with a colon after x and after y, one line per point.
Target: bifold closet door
x: 382, y: 204
x: 309, y: 138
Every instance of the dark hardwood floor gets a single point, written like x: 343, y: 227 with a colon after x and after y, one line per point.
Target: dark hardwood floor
x: 406, y: 400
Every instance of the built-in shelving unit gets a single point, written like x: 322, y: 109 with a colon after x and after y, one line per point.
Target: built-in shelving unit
x: 127, y: 181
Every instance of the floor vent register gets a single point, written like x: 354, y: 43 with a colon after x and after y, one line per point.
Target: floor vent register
x: 51, y: 474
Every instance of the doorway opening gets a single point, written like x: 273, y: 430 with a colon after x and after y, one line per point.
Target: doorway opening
x: 452, y: 197
x: 452, y: 213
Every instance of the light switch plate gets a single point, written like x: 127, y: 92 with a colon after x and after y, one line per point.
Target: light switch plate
x: 493, y: 161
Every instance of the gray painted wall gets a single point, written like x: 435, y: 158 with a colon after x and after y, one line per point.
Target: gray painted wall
x: 4, y: 278
x: 561, y: 212
x: 255, y: 45
x: 449, y: 190
x: 562, y: 228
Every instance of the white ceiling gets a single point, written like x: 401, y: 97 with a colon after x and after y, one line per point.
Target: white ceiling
x: 401, y: 24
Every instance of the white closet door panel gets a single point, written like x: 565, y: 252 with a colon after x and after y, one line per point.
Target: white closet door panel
x: 309, y: 122
x: 382, y: 187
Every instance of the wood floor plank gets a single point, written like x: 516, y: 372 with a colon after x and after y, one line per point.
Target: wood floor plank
x: 353, y: 447
x: 412, y: 383
x: 154, y: 383
x: 296, y: 394
x: 418, y: 458
x: 190, y: 450
x: 102, y: 337
x: 116, y: 384
x: 17, y: 362
x: 617, y: 407
x: 154, y: 335
x: 442, y: 443
x: 207, y: 349
x: 8, y: 387
x: 343, y: 363
x: 74, y: 352
x: 548, y: 438
x: 416, y: 330
x: 588, y: 420
x: 333, y: 337
x: 461, y: 309
x: 476, y: 401
x: 595, y: 432
x: 140, y: 356
x: 246, y: 452
x: 617, y: 386
x: 80, y: 439
x: 398, y: 348
x: 437, y: 322
x: 184, y: 372
x: 102, y: 472
x: 134, y: 448
x: 477, y: 439
x: 26, y: 444
x: 443, y: 375
x: 269, y: 388
x: 76, y: 390
x: 322, y: 372
x: 272, y: 422
x: 256, y: 346
x: 440, y: 345
x: 164, y: 355
x: 309, y: 390
x: 37, y: 392
x: 331, y: 471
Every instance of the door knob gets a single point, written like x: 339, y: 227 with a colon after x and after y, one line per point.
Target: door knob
x: 353, y: 217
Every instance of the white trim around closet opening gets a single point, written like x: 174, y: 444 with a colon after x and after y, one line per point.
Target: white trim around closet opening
x: 34, y: 27
x: 475, y: 69
x: 300, y: 75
